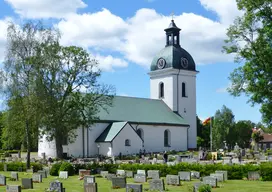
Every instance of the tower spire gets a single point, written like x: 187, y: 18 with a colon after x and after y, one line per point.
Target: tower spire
x: 172, y: 34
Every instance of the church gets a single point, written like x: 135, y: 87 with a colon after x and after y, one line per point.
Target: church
x: 165, y: 121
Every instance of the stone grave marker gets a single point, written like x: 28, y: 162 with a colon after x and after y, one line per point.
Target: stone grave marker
x: 156, y: 184
x: 129, y: 174
x: 253, y: 175
x: 110, y: 176
x: 90, y: 187
x: 13, y: 188
x: 153, y: 174
x: 43, y: 173
x: 218, y: 176
x: 14, y: 175
x: 141, y: 172
x: 89, y: 179
x: 185, y: 175
x: 63, y: 174
x: 20, y: 169
x: 243, y: 152
x: 134, y: 187
x: 196, y: 186
x: 172, y: 180
x: 104, y: 174
x: 120, y: 173
x: 195, y: 174
x: 37, y: 178
x: 5, y: 167
x: 30, y: 171
x: 225, y: 174
x: 269, y: 158
x: 3, y: 180
x: 27, y: 183
x: 56, y: 186
x: 139, y: 178
x: 85, y: 172
x: 212, y: 181
x: 119, y: 182
x: 80, y: 171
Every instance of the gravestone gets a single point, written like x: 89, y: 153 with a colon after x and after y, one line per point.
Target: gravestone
x: 172, y: 180
x: 63, y: 174
x: 153, y: 174
x: 196, y: 186
x: 14, y: 175
x: 141, y: 172
x: 104, y: 173
x: 134, y: 187
x: 43, y: 173
x: 185, y: 175
x: 129, y: 174
x: 85, y: 172
x: 37, y: 178
x: 13, y: 188
x: 20, y: 169
x: 139, y: 178
x: 120, y: 172
x: 3, y: 180
x: 225, y: 174
x: 110, y: 176
x: 47, y: 170
x: 253, y: 175
x: 212, y: 181
x: 80, y: 171
x: 30, y: 171
x: 89, y: 179
x: 195, y: 174
x: 90, y: 187
x: 5, y: 167
x: 218, y: 176
x: 118, y: 182
x: 56, y: 186
x: 27, y: 183
x: 156, y: 184
x: 269, y: 158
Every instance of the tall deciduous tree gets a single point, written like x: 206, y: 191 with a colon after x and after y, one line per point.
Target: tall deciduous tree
x: 250, y: 39
x: 243, y: 131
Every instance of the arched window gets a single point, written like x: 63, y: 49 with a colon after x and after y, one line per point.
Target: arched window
x: 127, y: 142
x: 140, y: 132
x: 167, y: 138
x: 161, y: 90
x: 183, y: 90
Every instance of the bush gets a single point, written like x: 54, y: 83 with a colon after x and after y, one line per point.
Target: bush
x: 204, y: 188
x: 266, y: 171
x: 65, y: 166
x: 36, y: 166
x: 54, y: 171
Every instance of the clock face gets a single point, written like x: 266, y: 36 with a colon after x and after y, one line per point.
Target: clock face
x: 161, y: 63
x: 184, y: 63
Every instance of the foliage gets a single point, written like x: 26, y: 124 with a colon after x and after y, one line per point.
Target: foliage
x: 14, y: 166
x: 54, y: 171
x: 204, y: 188
x: 244, y: 130
x: 203, y: 134
x: 65, y: 166
x: 266, y: 171
x: 250, y: 39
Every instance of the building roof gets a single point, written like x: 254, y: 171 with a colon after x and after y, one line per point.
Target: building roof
x: 140, y: 110
x: 111, y: 132
x: 267, y: 137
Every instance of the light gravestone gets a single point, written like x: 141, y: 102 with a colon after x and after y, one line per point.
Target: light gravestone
x: 156, y: 184
x: 104, y: 174
x: 63, y: 174
x: 56, y: 186
x: 37, y: 178
x: 120, y: 173
x: 195, y: 174
x: 269, y: 158
x: 47, y: 170
x: 134, y: 187
x: 153, y: 174
x: 212, y: 181
x: 13, y: 188
x: 139, y: 178
x: 225, y: 174
x: 196, y: 186
x: 218, y: 176
x: 129, y: 174
x: 253, y: 175
x: 90, y: 187
x: 110, y: 176
x: 85, y: 172
x: 80, y: 171
x: 3, y: 180
x: 14, y: 175
x: 172, y: 180
x: 119, y: 182
x: 43, y: 173
x: 27, y: 183
x: 142, y: 172
x: 184, y: 175
x: 89, y: 179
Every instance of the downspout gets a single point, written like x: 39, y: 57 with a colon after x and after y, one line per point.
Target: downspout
x: 188, y: 136
x: 87, y: 142
x: 83, y: 142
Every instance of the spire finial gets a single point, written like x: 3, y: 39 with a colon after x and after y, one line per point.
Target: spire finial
x: 172, y: 14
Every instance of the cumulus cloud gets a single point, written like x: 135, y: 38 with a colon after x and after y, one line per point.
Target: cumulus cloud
x: 45, y: 8
x: 3, y: 37
x: 108, y: 63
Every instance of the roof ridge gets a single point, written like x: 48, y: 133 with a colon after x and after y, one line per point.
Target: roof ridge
x: 134, y: 97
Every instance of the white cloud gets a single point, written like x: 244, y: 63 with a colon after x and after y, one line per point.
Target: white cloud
x: 108, y: 63
x: 45, y: 8
x: 3, y: 37
x: 222, y: 90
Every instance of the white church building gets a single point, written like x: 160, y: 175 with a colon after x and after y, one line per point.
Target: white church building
x: 166, y: 121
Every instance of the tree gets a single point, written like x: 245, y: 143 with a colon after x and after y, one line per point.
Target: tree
x: 65, y: 73
x: 244, y: 130
x: 203, y: 134
x: 250, y: 39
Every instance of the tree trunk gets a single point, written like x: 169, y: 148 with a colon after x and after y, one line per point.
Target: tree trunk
x: 58, y: 141
x: 28, y: 143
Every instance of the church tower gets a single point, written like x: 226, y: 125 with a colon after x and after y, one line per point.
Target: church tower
x: 173, y: 79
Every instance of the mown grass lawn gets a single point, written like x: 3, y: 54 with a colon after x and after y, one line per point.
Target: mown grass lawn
x: 72, y: 184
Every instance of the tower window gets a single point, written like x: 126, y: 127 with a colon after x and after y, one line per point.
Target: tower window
x: 167, y: 137
x: 184, y: 94
x: 127, y: 142
x: 161, y: 90
x: 175, y: 39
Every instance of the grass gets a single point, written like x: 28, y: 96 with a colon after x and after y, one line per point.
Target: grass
x: 72, y: 184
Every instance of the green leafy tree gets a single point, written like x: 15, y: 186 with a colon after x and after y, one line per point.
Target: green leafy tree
x: 250, y: 39
x: 244, y: 131
x: 203, y: 134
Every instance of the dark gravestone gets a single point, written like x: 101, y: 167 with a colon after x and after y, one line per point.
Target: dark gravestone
x: 153, y: 174
x: 90, y: 187
x: 27, y: 183
x: 243, y: 153
x: 218, y: 176
x: 253, y: 175
x: 118, y: 182
x: 185, y: 175
x: 212, y: 181
x: 5, y: 167
x: 14, y: 175
x: 129, y: 174
x: 56, y: 186
x: 156, y: 184
x: 172, y: 180
x: 37, y: 178
x: 89, y: 179
x: 139, y: 178
x: 13, y: 188
x: 195, y: 174
x: 134, y: 187
x: 43, y: 173
x: 225, y: 174
x: 3, y: 180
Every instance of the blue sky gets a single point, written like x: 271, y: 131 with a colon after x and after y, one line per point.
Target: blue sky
x: 124, y: 36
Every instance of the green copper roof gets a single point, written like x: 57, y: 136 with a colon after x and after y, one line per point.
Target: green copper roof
x: 172, y: 55
x: 111, y: 132
x: 140, y: 110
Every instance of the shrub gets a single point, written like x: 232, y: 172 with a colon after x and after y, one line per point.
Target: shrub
x: 36, y: 166
x: 204, y: 188
x: 65, y: 166
x: 266, y: 171
x: 54, y: 171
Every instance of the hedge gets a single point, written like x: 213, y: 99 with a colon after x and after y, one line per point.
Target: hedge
x: 14, y: 166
